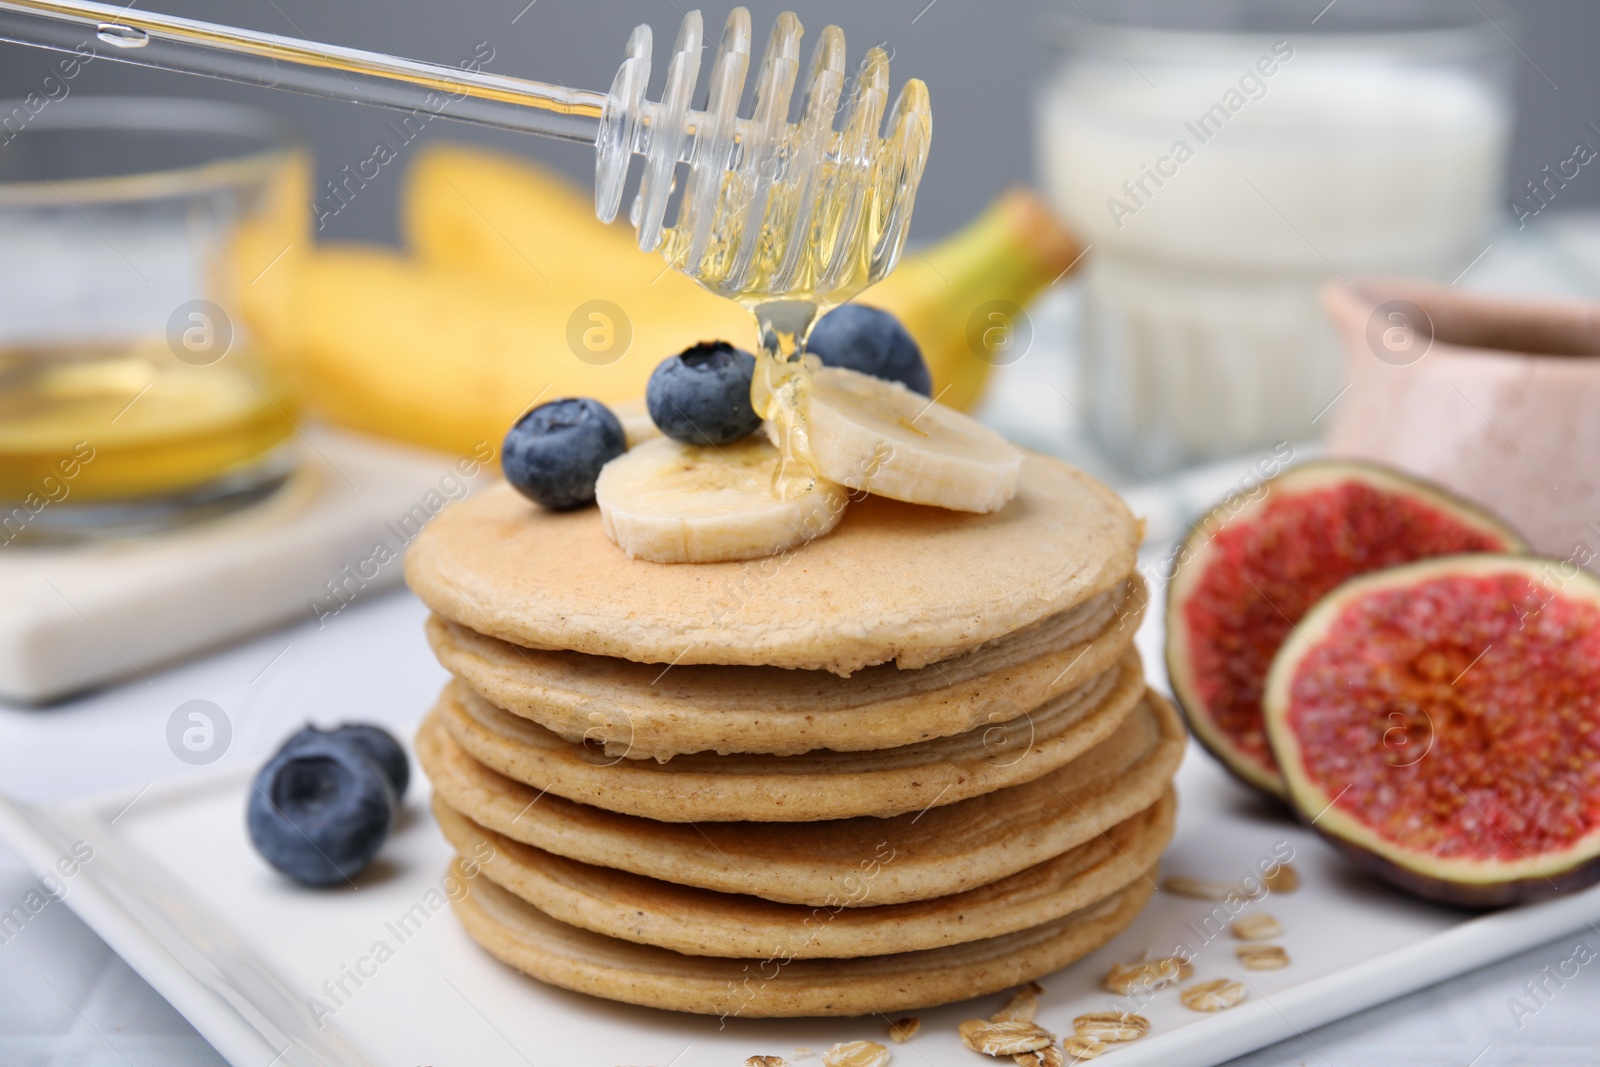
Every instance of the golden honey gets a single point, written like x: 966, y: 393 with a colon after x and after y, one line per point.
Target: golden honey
x: 152, y: 424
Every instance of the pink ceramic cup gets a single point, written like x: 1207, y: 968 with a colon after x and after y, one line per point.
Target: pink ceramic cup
x: 1495, y: 398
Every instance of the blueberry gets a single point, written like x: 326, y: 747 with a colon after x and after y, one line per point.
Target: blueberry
x: 873, y: 342
x: 553, y: 454
x: 701, y: 396
x: 320, y: 810
x: 379, y: 745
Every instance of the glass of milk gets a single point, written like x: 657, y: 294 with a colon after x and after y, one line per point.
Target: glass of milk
x: 1223, y: 160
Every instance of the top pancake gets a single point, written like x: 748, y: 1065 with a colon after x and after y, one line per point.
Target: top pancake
x: 894, y: 582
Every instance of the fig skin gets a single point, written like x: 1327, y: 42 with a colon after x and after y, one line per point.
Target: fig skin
x: 1191, y: 554
x: 1479, y: 896
x: 1310, y: 802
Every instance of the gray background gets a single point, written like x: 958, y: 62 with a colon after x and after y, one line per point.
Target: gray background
x: 981, y: 61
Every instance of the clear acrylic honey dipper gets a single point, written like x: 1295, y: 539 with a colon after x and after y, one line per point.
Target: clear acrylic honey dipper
x: 786, y: 217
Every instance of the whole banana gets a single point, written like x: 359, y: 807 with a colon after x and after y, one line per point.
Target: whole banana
x: 513, y: 291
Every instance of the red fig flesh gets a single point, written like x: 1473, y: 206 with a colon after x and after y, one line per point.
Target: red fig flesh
x: 1440, y: 722
x: 1250, y: 570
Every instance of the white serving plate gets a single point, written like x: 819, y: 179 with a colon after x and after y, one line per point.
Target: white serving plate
x: 175, y: 889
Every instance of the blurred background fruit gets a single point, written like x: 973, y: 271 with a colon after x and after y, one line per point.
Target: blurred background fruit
x: 510, y: 292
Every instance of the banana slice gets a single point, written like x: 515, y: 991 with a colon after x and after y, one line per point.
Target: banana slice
x: 669, y: 502
x: 876, y: 435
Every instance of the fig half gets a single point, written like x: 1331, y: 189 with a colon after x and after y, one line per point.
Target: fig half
x: 1440, y: 723
x: 1250, y: 569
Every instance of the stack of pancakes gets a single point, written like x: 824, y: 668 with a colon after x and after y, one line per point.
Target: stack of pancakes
x: 910, y: 762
